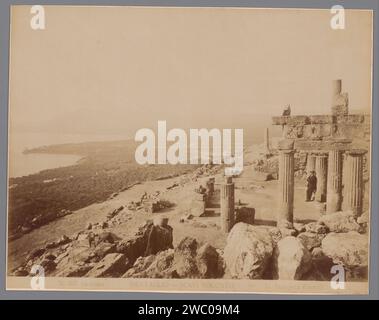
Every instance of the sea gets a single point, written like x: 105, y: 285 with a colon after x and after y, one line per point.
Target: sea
x: 20, y: 164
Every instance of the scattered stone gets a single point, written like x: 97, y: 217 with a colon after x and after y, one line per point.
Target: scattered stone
x: 311, y: 240
x: 104, y: 225
x: 63, y: 240
x: 74, y: 270
x: 186, y: 217
x: 299, y: 227
x: 36, y: 253
x: 48, y: 265
x: 184, y: 258
x: 50, y: 256
x: 291, y: 259
x: 89, y: 226
x: 342, y: 221
x: 209, y: 264
x: 113, y: 213
x: 364, y: 218
x: 103, y: 249
x: 20, y: 272
x: 316, y: 227
x: 159, y: 239
x: 349, y: 249
x: 112, y: 265
x: 51, y: 245
x: 248, y: 251
x: 153, y: 266
x: 288, y: 232
x: 107, y: 237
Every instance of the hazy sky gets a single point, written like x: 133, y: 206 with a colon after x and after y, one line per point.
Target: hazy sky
x: 105, y: 70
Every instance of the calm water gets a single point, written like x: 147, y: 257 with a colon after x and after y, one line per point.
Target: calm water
x: 24, y: 164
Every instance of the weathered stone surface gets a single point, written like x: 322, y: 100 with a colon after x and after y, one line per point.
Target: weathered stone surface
x: 311, y: 240
x: 140, y: 245
x: 153, y: 266
x: 321, y: 267
x: 103, y: 249
x: 186, y: 261
x: 48, y: 265
x: 299, y: 227
x: 158, y: 239
x: 291, y: 259
x: 342, y: 221
x: 208, y: 262
x: 36, y: 253
x: 184, y: 258
x: 112, y: 265
x: 74, y: 270
x: 364, y: 218
x: 349, y: 249
x: 316, y: 227
x: 248, y: 251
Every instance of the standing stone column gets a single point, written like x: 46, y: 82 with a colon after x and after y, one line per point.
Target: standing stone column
x: 286, y: 187
x: 267, y: 141
x: 334, y: 184
x: 321, y: 174
x: 227, y: 205
x: 311, y: 162
x: 353, y: 189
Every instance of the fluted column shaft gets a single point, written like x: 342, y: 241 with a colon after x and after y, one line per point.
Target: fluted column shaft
x: 227, y: 205
x: 286, y: 188
x: 311, y: 162
x: 334, y: 184
x: 321, y: 174
x: 353, y: 189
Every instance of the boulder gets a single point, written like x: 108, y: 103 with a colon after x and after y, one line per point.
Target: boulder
x: 74, y: 270
x: 48, y: 265
x: 311, y: 240
x: 20, y: 272
x: 112, y: 265
x: 185, y: 217
x: 299, y: 227
x: 316, y: 227
x: 208, y: 262
x: 153, y: 266
x: 348, y: 249
x: 36, y: 253
x: 107, y: 237
x: 159, y: 239
x: 149, y: 239
x: 364, y: 218
x: 291, y: 259
x: 102, y: 249
x: 184, y: 258
x: 342, y: 221
x: 248, y: 251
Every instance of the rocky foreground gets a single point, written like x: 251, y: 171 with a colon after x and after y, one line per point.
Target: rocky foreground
x: 299, y: 252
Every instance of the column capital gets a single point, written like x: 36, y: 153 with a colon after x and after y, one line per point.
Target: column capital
x: 321, y: 153
x: 286, y: 145
x: 356, y: 152
x: 338, y: 144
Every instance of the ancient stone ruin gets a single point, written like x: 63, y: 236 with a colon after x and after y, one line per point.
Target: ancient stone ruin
x: 330, y: 144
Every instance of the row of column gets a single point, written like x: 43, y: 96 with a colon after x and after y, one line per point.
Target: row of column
x: 328, y: 168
